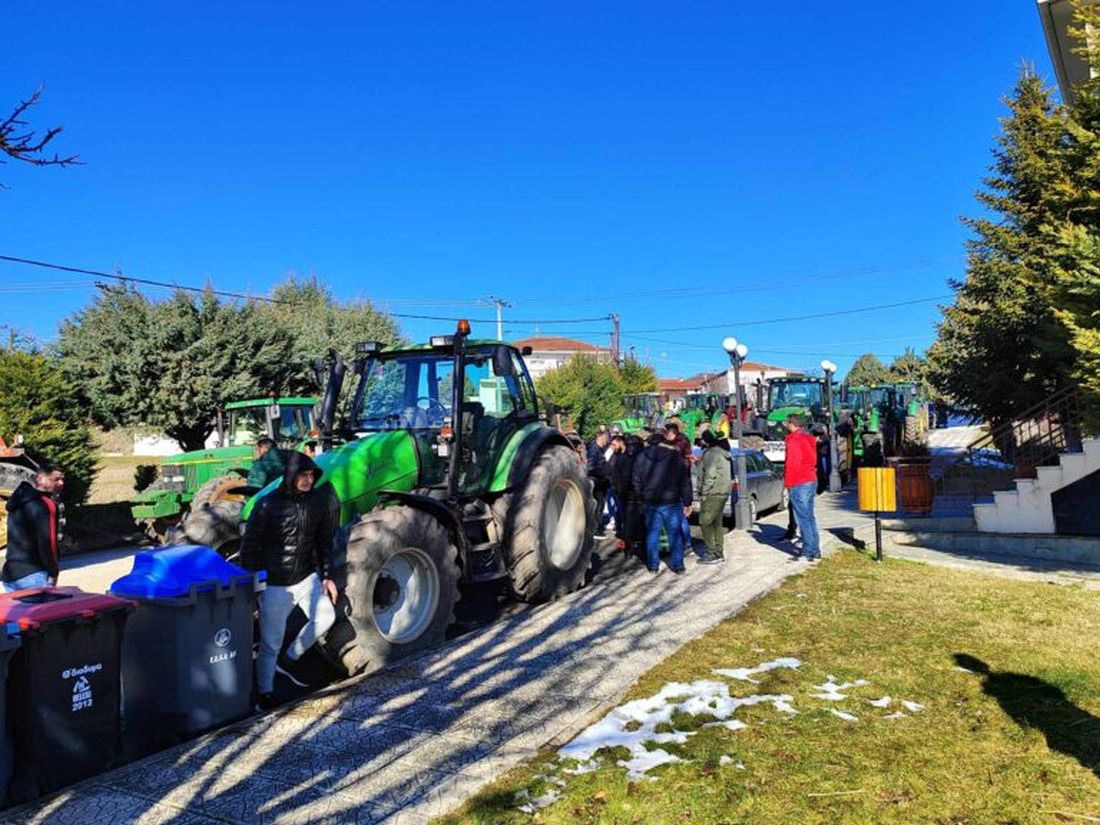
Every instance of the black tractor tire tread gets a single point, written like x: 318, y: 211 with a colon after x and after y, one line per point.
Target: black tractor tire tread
x: 207, y: 490
x: 520, y: 515
x: 215, y: 525
x: 372, y: 540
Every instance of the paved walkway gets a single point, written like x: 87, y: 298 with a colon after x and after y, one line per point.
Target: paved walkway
x: 413, y: 742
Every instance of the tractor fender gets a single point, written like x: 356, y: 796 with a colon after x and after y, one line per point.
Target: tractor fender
x: 529, y: 451
x: 435, y: 508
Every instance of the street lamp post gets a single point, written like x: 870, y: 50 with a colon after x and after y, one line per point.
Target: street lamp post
x: 742, y: 513
x: 834, y: 471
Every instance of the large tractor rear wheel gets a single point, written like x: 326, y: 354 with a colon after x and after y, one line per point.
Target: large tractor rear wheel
x: 401, y: 587
x: 215, y: 516
x: 548, y: 528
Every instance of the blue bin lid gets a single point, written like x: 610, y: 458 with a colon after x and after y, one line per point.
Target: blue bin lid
x: 171, y: 572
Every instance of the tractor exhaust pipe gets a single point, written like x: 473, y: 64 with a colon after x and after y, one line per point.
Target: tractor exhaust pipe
x: 336, y: 371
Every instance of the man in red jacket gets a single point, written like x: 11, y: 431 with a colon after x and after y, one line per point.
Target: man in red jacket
x: 800, y: 478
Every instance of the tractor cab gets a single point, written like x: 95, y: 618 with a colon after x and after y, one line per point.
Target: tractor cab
x: 415, y: 390
x: 289, y: 421
x: 803, y: 393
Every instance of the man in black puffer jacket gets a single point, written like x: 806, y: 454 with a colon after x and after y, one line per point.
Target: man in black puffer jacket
x: 662, y: 482
x: 289, y: 535
x: 35, y: 522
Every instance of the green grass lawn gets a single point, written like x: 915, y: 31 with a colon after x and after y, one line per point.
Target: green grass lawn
x: 1017, y: 744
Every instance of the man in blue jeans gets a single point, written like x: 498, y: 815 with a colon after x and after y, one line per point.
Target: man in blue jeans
x: 664, y: 486
x: 800, y: 478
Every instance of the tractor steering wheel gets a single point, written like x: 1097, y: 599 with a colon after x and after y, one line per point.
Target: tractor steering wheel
x: 433, y: 406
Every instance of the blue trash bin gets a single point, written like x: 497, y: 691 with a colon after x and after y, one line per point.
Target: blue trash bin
x: 187, y: 650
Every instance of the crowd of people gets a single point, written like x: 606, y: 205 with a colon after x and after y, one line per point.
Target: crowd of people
x: 642, y: 485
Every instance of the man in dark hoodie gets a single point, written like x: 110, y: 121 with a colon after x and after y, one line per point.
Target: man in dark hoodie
x: 662, y: 482
x: 35, y: 523
x: 290, y: 535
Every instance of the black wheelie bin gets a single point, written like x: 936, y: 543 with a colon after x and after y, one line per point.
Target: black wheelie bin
x: 63, y: 686
x: 187, y: 651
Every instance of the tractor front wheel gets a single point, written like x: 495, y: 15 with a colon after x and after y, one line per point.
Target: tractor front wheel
x: 401, y: 587
x: 548, y: 528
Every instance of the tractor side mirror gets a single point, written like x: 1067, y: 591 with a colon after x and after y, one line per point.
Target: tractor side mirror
x: 502, y: 362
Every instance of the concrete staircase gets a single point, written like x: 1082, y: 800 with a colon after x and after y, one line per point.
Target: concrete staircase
x: 1028, y: 508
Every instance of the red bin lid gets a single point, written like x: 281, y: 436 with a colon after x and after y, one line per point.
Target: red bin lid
x: 31, y: 609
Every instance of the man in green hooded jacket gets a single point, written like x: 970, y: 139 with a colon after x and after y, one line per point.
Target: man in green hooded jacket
x: 714, y: 491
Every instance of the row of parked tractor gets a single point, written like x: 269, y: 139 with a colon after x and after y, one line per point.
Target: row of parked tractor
x: 871, y: 423
x: 445, y: 485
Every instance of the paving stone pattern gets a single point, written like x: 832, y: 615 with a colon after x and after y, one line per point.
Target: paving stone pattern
x: 415, y: 741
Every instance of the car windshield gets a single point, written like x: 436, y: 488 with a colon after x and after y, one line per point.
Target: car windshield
x: 795, y: 394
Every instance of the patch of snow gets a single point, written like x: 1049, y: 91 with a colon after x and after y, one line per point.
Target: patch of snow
x: 590, y: 766
x: 912, y: 707
x: 962, y: 669
x: 800, y: 595
x: 740, y: 766
x: 833, y: 692
x: 540, y: 802
x: 745, y: 674
x: 729, y: 724
x: 634, y: 724
x: 725, y: 760
x: 884, y: 702
x: 644, y: 761
x: 847, y: 717
x: 759, y: 650
x: 553, y: 780
x: 895, y: 715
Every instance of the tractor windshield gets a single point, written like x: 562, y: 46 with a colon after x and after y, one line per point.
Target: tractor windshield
x: 794, y: 394
x: 292, y: 426
x: 408, y: 392
x: 415, y: 391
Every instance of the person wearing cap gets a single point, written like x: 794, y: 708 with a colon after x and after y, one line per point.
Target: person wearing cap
x: 290, y: 535
x: 715, y: 480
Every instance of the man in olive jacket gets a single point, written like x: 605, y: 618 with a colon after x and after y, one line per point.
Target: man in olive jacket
x: 714, y: 491
x: 289, y: 535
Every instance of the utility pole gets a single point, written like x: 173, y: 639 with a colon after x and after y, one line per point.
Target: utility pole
x: 615, y: 344
x: 499, y: 303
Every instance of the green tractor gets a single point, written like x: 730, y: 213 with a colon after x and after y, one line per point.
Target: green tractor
x: 213, y: 478
x: 699, y: 407
x: 448, y: 482
x: 805, y: 396
x: 904, y: 415
x: 644, y: 411
x: 856, y: 410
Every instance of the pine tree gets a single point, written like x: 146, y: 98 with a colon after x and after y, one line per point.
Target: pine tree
x: 1002, y: 347
x: 867, y: 370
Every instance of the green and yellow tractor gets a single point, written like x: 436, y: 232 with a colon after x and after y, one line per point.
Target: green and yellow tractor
x: 644, y: 411
x: 446, y: 480
x: 214, y: 478
x: 701, y: 407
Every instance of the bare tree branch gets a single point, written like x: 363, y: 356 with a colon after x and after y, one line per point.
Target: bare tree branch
x: 19, y: 141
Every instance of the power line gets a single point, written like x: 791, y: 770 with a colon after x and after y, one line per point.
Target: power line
x: 731, y: 324
x: 674, y: 293
x: 118, y: 276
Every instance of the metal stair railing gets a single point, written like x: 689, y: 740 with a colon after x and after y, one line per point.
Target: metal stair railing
x: 1013, y: 450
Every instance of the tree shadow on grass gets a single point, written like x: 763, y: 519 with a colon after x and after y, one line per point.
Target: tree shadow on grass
x: 1035, y: 703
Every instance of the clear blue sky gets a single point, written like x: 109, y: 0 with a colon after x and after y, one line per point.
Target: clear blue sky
x: 578, y: 159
